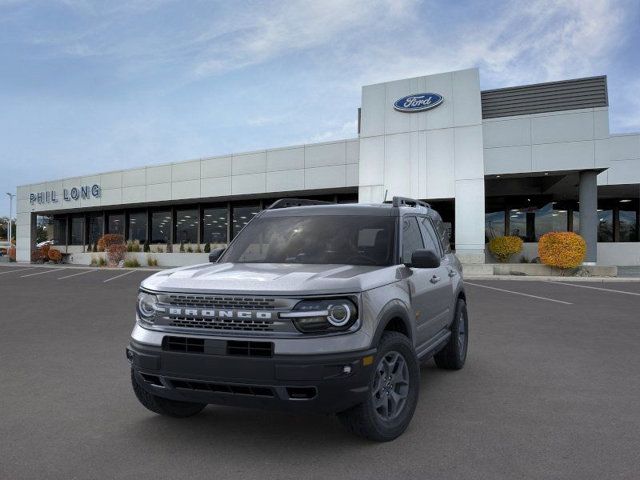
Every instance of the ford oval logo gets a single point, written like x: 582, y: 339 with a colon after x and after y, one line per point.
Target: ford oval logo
x: 418, y: 102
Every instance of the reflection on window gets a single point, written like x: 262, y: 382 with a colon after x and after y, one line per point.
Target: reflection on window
x: 628, y: 224
x: 242, y: 215
x: 605, y: 225
x: 115, y: 223
x: 493, y: 225
x: 549, y: 219
x: 187, y: 226
x: 160, y: 226
x: 214, y: 224
x: 60, y: 230
x: 95, y: 227
x: 518, y: 223
x: 77, y: 230
x: 44, y: 228
x: 576, y: 221
x: 138, y: 226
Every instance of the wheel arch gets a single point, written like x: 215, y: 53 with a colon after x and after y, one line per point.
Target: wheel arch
x: 394, y: 317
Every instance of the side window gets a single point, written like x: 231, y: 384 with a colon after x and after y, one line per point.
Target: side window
x: 411, y: 238
x: 430, y: 237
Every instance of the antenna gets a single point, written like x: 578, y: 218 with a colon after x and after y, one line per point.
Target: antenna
x: 385, y: 195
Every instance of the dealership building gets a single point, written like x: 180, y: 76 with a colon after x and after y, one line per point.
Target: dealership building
x: 521, y: 160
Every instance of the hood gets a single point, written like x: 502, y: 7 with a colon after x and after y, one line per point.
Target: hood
x: 271, y: 278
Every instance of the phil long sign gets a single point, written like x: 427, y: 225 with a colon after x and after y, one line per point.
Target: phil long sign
x: 418, y: 102
x: 68, y: 194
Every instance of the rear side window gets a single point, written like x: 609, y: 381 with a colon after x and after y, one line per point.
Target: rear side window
x: 430, y: 238
x: 443, y: 234
x: 411, y: 238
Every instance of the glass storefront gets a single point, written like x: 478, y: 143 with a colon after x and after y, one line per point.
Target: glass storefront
x: 96, y: 226
x: 215, y: 222
x: 138, y: 226
x: 187, y: 226
x: 605, y: 225
x: 242, y: 215
x: 160, y: 226
x: 628, y: 222
x: 60, y: 230
x: 77, y: 230
x: 115, y: 223
x: 493, y: 225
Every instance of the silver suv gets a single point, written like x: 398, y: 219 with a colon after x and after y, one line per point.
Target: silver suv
x: 313, y: 307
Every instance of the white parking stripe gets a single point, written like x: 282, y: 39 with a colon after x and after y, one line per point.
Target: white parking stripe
x: 519, y: 293
x: 76, y: 274
x: 14, y: 270
x: 42, y: 273
x: 598, y: 288
x: 118, y: 276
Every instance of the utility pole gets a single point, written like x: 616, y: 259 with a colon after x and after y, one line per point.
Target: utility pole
x: 9, y: 232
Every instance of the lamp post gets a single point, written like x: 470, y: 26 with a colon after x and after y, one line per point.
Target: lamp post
x: 9, y: 232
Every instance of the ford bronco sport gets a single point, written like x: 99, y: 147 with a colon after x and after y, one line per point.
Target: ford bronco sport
x: 312, y: 307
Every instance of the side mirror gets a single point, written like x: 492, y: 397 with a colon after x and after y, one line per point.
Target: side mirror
x: 216, y: 254
x: 424, y: 259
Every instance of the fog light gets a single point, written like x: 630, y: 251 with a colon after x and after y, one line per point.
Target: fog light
x: 368, y: 360
x: 346, y: 369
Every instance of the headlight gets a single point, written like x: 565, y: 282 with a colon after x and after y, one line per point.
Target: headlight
x: 147, y: 304
x: 320, y: 316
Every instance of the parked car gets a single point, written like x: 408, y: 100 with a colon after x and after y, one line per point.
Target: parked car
x: 313, y: 307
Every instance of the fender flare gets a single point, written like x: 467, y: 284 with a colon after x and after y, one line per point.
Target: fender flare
x: 393, y: 309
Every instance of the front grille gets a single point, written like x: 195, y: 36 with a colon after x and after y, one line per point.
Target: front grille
x: 221, y: 302
x: 250, y: 390
x: 244, y: 325
x: 183, y: 344
x: 250, y: 349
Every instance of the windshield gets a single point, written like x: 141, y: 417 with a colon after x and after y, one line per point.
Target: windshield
x: 317, y: 239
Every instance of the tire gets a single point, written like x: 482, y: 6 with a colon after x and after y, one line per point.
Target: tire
x: 164, y: 406
x: 454, y: 354
x: 367, y: 419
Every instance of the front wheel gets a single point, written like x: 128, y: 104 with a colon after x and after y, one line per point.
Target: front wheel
x: 394, y: 388
x: 454, y: 354
x: 164, y: 406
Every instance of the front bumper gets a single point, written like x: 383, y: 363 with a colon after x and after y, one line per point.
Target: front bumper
x: 299, y: 383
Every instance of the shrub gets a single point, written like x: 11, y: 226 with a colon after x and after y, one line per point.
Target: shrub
x: 109, y: 239
x: 129, y: 246
x: 102, y: 262
x: 562, y: 249
x: 207, y: 247
x: 12, y: 253
x: 181, y: 247
x: 45, y: 252
x: 503, y: 247
x: 151, y: 261
x: 169, y: 247
x: 132, y: 263
x: 54, y: 255
x: 94, y: 261
x: 146, y: 247
x: 116, y: 254
x: 198, y: 249
x: 189, y: 249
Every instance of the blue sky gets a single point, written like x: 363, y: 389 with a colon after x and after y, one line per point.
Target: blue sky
x: 90, y: 86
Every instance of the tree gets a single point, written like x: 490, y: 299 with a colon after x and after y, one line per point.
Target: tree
x: 4, y: 222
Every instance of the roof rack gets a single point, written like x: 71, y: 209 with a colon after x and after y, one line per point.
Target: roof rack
x: 296, y: 202
x: 408, y: 202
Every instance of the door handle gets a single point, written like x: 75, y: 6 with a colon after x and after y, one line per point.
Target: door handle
x: 452, y: 273
x: 435, y: 279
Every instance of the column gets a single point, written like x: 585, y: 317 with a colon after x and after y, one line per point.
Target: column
x: 588, y: 197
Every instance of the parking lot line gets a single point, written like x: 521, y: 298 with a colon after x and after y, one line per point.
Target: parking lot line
x: 14, y: 270
x: 598, y: 288
x: 118, y: 276
x: 42, y: 273
x: 76, y: 274
x: 519, y: 293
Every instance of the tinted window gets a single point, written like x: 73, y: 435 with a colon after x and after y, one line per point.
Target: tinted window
x: 444, y: 233
x: 96, y: 223
x: 242, y: 215
x: 160, y: 226
x: 214, y: 225
x: 430, y: 240
x: 115, y: 223
x: 187, y: 226
x: 77, y: 230
x: 326, y: 239
x: 411, y: 238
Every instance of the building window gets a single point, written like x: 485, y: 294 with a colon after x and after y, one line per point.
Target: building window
x: 214, y: 225
x: 115, y: 223
x: 77, y: 230
x: 550, y: 219
x: 518, y: 223
x: 627, y: 222
x: 493, y: 225
x: 605, y: 225
x: 60, y: 230
x: 242, y: 215
x: 187, y: 226
x: 138, y: 227
x: 44, y: 228
x: 160, y: 226
x: 96, y: 226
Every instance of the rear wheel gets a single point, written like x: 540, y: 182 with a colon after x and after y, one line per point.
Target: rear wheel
x: 394, y: 388
x: 164, y: 406
x: 454, y: 354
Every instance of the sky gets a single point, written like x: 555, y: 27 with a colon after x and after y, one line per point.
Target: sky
x: 92, y: 86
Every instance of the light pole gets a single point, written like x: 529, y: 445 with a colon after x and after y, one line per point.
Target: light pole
x: 11, y: 195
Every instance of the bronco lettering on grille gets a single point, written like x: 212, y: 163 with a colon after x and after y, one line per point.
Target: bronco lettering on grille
x: 210, y: 313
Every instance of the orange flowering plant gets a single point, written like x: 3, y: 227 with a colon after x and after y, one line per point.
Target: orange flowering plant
x: 504, y: 247
x: 562, y: 249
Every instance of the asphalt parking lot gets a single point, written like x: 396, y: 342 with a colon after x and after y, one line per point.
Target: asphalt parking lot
x: 551, y: 390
